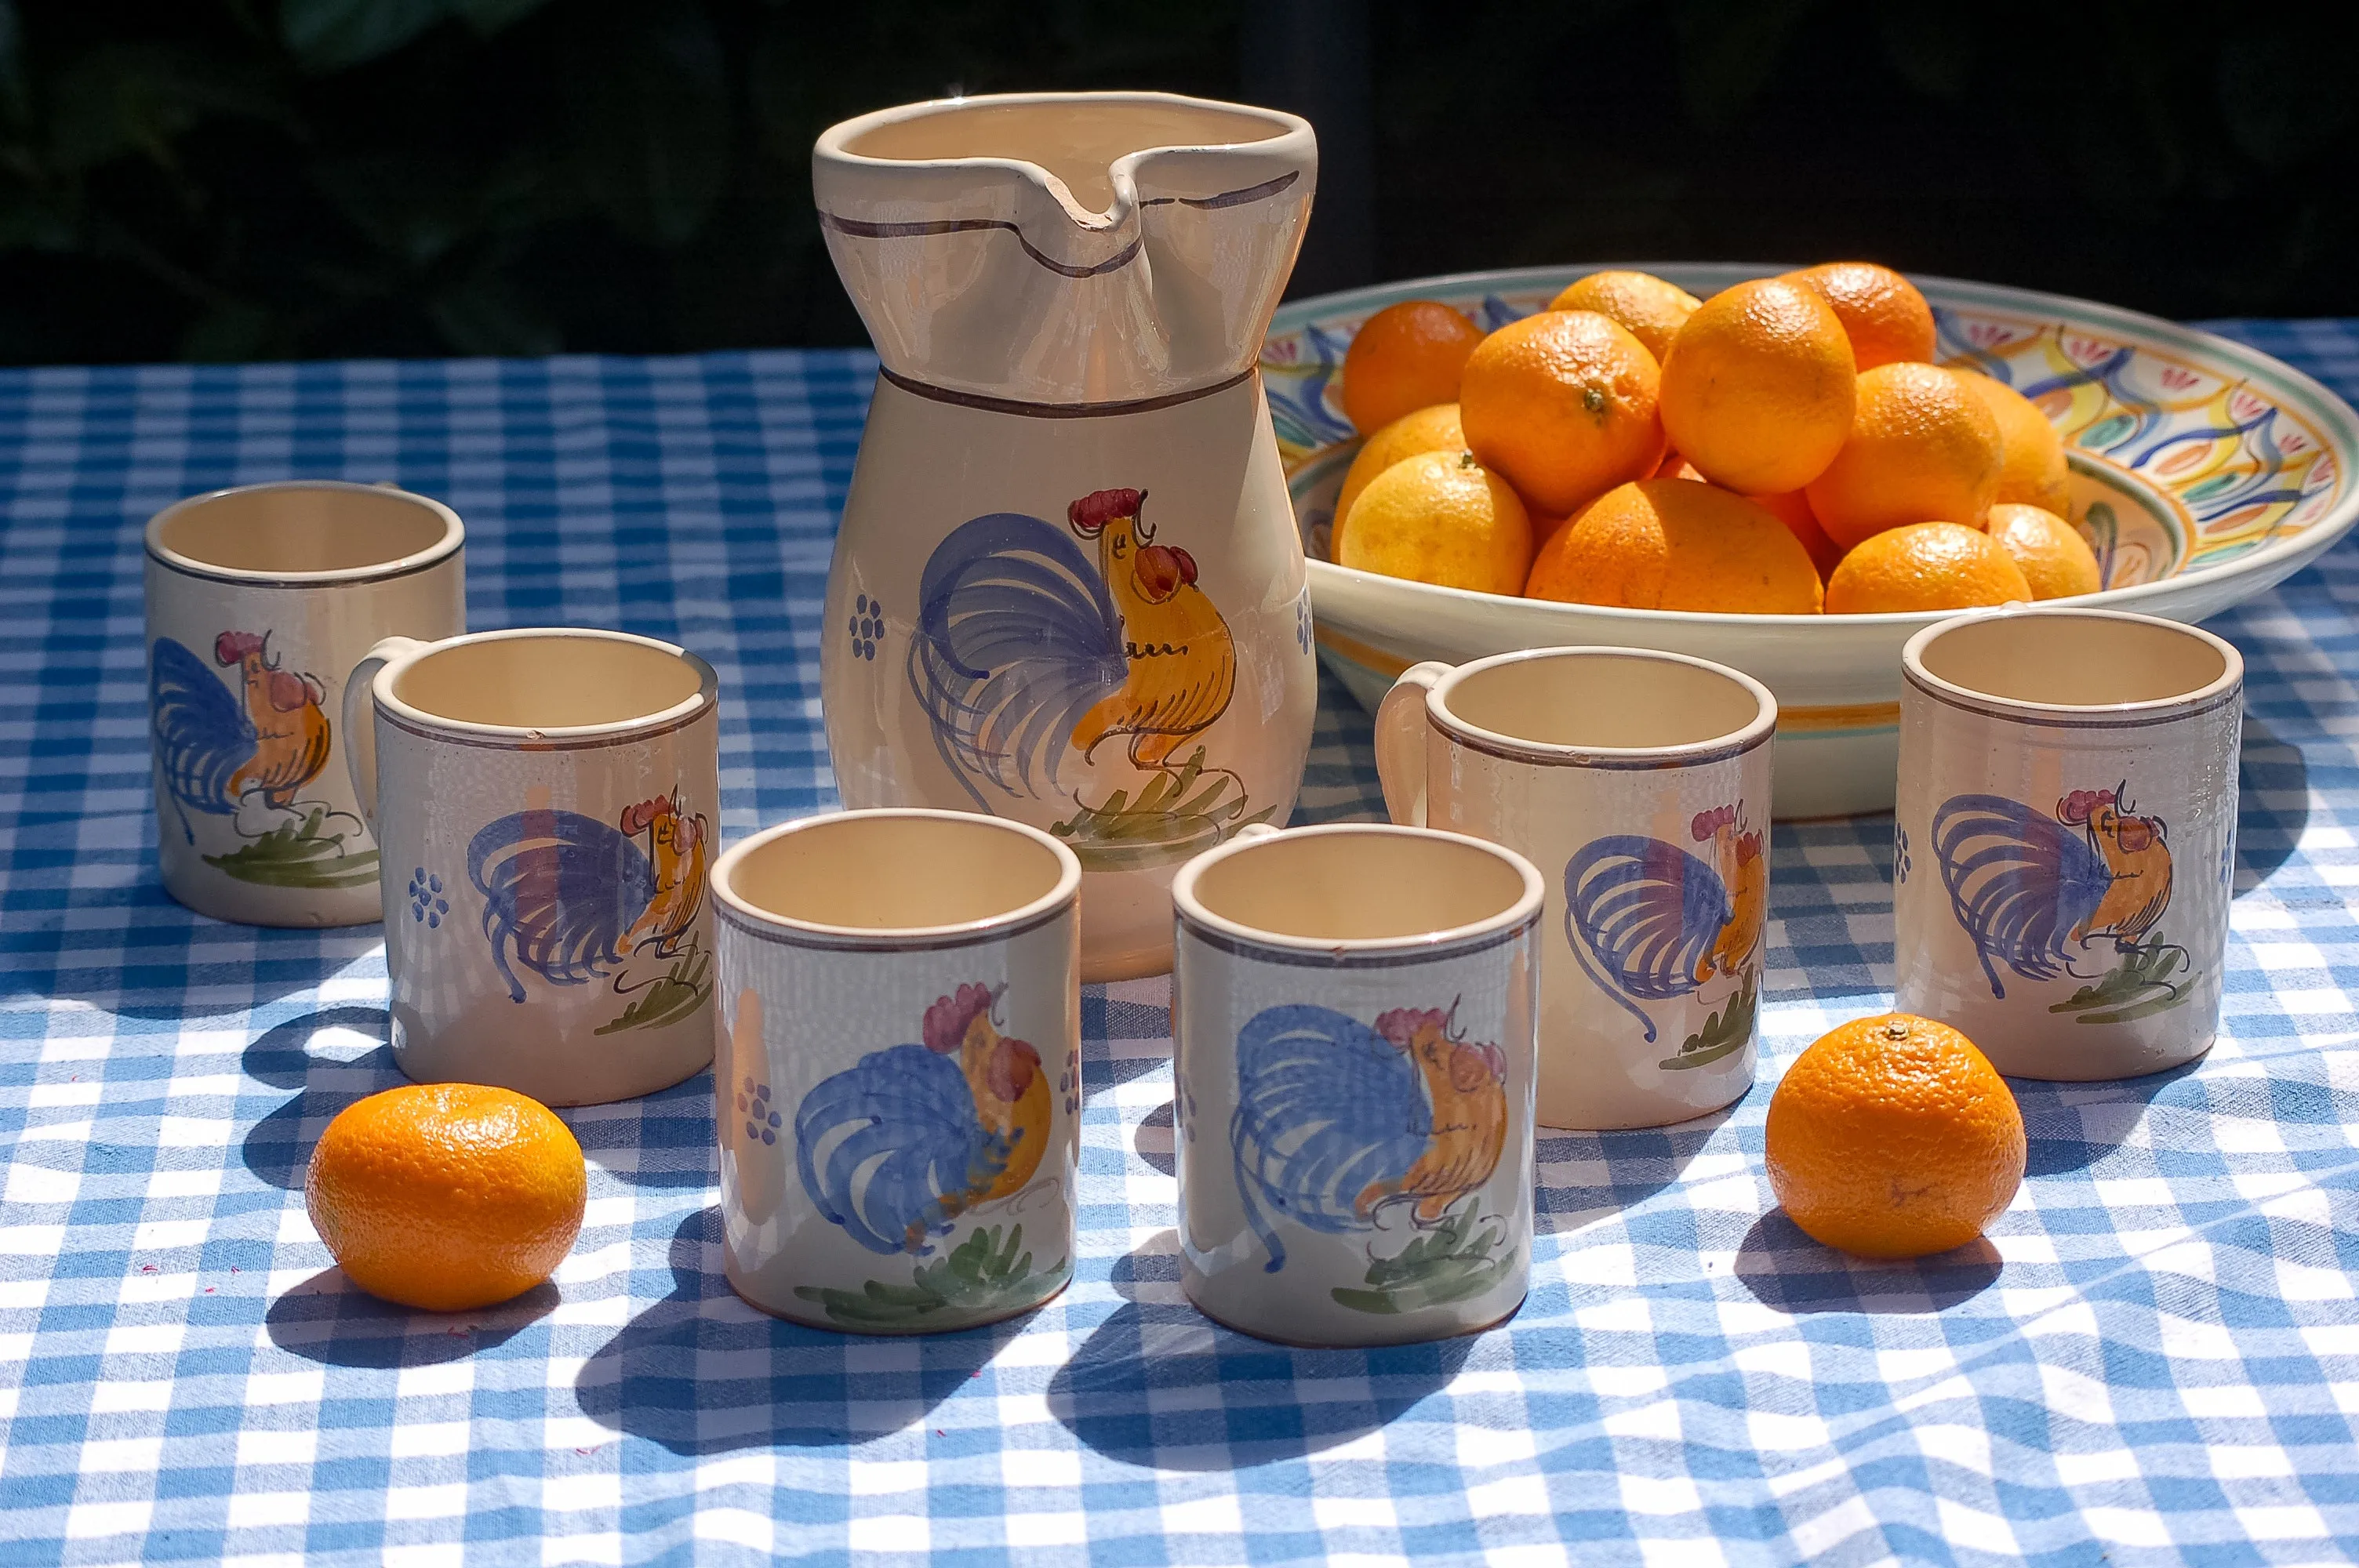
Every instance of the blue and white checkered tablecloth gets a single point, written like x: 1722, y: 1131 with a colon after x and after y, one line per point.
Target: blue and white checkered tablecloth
x: 2154, y: 1357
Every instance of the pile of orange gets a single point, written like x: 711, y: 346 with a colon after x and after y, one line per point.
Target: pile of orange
x: 1784, y: 447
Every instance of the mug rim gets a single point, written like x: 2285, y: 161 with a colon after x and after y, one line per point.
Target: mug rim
x: 453, y: 539
x: 1525, y: 912
x: 1731, y: 743
x: 644, y: 726
x: 2222, y: 688
x: 794, y: 929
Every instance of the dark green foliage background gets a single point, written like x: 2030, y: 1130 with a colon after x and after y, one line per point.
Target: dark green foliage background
x: 268, y: 178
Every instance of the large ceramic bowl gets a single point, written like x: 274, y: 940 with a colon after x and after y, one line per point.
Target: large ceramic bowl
x: 2203, y: 472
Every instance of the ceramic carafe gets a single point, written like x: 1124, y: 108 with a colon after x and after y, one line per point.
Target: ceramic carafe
x: 1068, y: 589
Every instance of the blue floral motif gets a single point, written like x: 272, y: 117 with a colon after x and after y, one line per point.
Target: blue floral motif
x: 754, y: 1104
x: 1899, y: 853
x: 427, y: 905
x: 867, y: 627
x: 1303, y: 620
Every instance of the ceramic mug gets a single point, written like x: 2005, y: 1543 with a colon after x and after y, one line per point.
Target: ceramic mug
x: 1640, y: 782
x: 2065, y: 839
x: 260, y: 600
x: 1353, y: 1011
x: 899, y: 1080
x: 544, y: 802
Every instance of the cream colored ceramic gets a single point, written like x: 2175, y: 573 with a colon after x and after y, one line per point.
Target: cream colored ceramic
x: 1067, y: 589
x: 1640, y: 783
x: 2203, y: 472
x: 2066, y: 836
x: 260, y: 600
x: 899, y: 1079
x: 546, y: 802
x: 1353, y: 1008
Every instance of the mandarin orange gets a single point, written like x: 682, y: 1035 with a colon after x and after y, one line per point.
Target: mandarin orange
x: 1439, y: 517
x: 1793, y: 509
x: 1652, y: 309
x: 1676, y: 543
x: 1404, y: 358
x: 2050, y: 552
x: 1924, y: 565
x: 1562, y: 404
x: 1758, y: 385
x: 1433, y: 429
x: 1883, y: 314
x: 446, y: 1196
x: 1894, y: 1137
x: 1921, y: 446
x: 2032, y: 470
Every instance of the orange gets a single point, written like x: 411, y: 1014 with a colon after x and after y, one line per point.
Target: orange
x: 1793, y: 509
x: 2050, y: 552
x: 1439, y: 517
x: 1921, y: 447
x: 2031, y: 470
x: 1894, y: 1137
x: 1651, y: 309
x: 446, y: 1196
x: 1561, y: 404
x: 1674, y: 466
x: 1404, y: 358
x: 1677, y: 543
x: 1924, y: 565
x: 1758, y: 389
x: 1430, y: 429
x: 1882, y: 313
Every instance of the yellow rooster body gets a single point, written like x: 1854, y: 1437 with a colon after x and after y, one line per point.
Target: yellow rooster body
x: 1182, y: 663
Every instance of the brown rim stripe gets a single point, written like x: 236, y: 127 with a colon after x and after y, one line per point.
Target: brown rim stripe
x: 1391, y: 957
x: 366, y: 579
x: 1609, y: 765
x: 2092, y: 721
x: 884, y: 941
x: 926, y: 229
x: 523, y: 744
x: 1061, y: 410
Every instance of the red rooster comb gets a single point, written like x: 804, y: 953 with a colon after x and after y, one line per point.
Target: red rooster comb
x: 637, y: 819
x: 2082, y: 805
x: 1472, y: 1067
x: 231, y: 647
x: 947, y: 1019
x: 1092, y: 512
x: 1748, y: 848
x: 1401, y: 1024
x: 1708, y: 823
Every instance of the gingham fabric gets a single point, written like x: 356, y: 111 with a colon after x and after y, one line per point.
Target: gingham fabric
x: 2153, y: 1358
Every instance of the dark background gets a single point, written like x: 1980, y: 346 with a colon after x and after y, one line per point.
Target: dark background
x: 289, y: 178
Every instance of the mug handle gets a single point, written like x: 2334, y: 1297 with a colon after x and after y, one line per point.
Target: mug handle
x: 360, y: 722
x: 1253, y: 830
x: 1401, y: 730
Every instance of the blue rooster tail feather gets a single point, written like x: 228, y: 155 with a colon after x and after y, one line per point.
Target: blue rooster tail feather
x: 1326, y: 1108
x: 1017, y: 638
x: 1249, y: 1195
x: 560, y: 890
x: 202, y: 731
x: 881, y: 1144
x: 2018, y: 883
x: 1604, y: 981
x: 1648, y: 913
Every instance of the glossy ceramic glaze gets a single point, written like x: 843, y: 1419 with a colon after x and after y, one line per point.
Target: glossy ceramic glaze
x: 1067, y: 589
x: 259, y: 600
x: 1637, y: 781
x: 547, y: 803
x: 1353, y: 1008
x: 899, y: 1077
x: 2203, y: 472
x: 2066, y: 838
